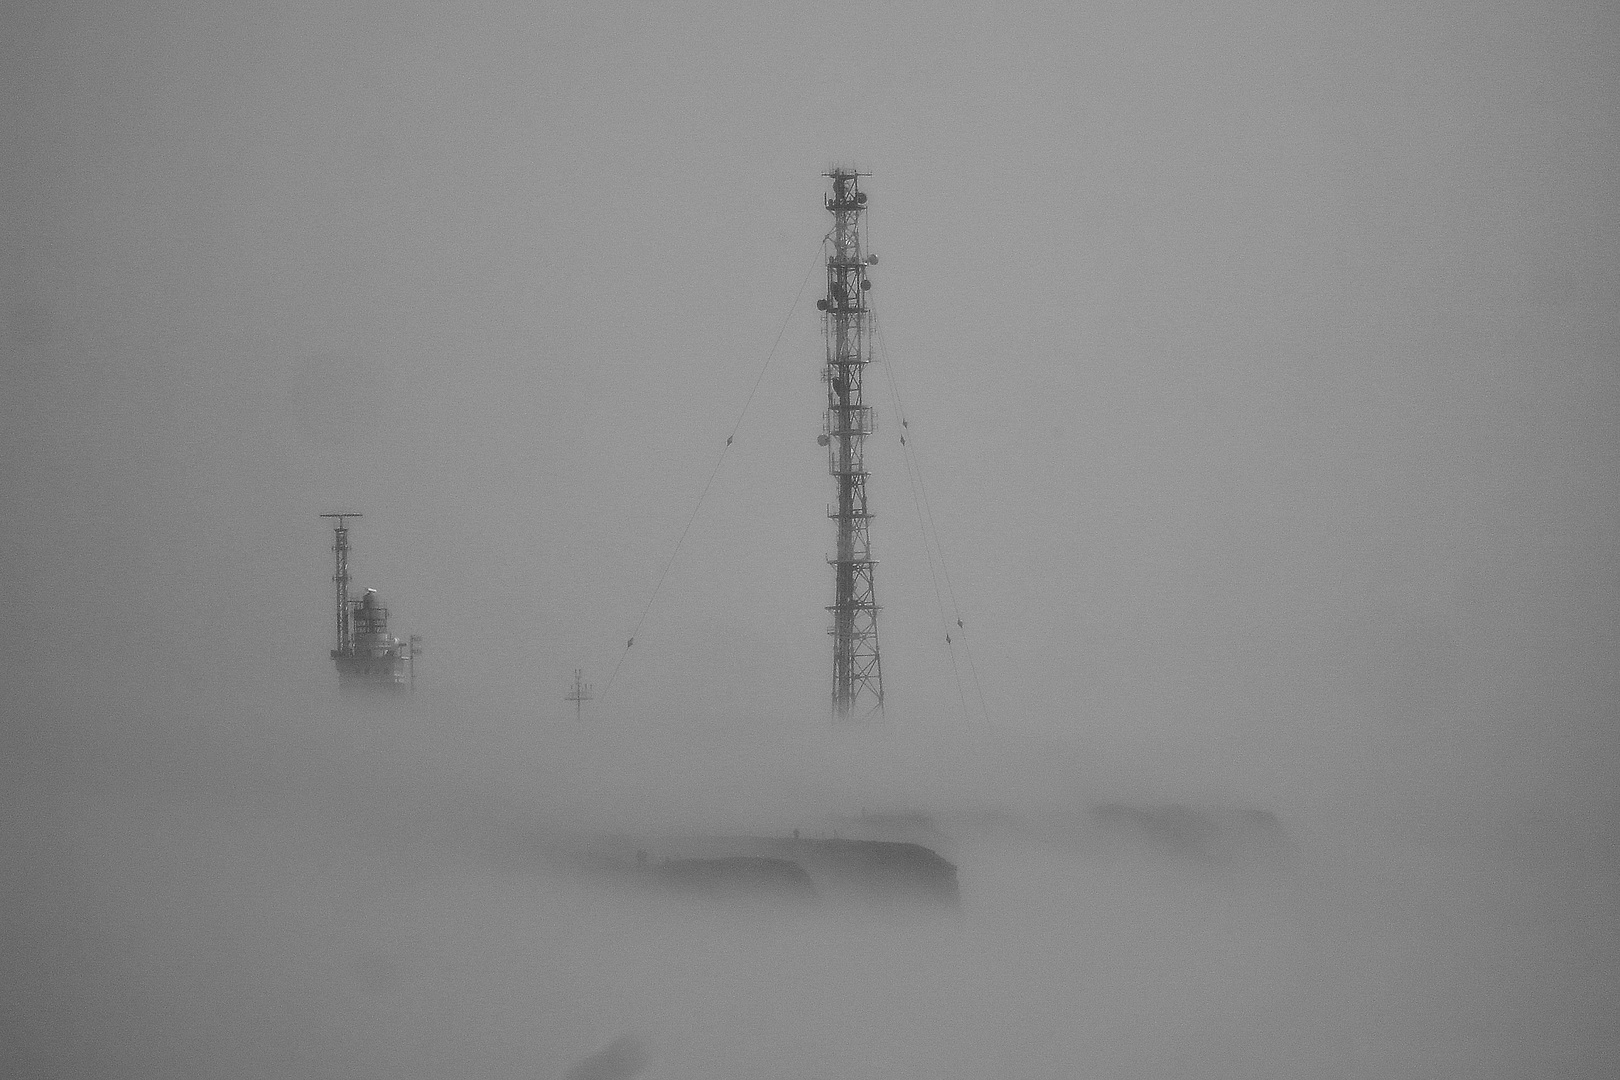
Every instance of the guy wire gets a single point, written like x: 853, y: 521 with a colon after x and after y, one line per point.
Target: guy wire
x: 625, y: 652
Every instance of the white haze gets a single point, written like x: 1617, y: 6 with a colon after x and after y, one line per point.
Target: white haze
x: 360, y: 891
x: 1261, y: 359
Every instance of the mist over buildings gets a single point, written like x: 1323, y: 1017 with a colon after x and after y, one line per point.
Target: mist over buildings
x: 1261, y: 362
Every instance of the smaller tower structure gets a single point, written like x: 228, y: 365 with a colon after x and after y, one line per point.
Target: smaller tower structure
x: 341, y: 548
x: 366, y: 656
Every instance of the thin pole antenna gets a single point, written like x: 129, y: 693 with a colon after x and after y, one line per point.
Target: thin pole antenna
x: 580, y: 694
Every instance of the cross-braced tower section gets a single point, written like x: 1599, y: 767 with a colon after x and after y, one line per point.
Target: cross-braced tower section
x: 857, y: 690
x: 340, y: 548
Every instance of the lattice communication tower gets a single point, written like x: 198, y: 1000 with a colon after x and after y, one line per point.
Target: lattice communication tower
x: 340, y: 547
x: 857, y: 690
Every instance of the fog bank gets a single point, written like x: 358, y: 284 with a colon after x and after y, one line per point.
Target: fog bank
x: 365, y: 910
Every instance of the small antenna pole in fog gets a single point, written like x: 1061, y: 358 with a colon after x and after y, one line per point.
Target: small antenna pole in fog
x: 580, y: 694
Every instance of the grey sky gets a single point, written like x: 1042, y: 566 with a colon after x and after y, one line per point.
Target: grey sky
x: 1261, y: 359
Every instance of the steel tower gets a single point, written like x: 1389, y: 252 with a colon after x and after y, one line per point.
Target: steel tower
x: 857, y: 689
x: 345, y: 639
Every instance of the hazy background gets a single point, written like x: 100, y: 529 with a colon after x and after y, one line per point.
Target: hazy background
x: 1261, y: 360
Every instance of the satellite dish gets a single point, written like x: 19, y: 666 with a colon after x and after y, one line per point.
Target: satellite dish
x: 822, y: 440
x: 860, y: 196
x: 871, y: 260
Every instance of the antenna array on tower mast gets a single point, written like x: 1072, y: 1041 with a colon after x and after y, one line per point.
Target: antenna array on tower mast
x: 340, y: 546
x: 857, y: 689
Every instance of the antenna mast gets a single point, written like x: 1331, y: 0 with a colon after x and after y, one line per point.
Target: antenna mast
x: 857, y: 674
x: 345, y: 639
